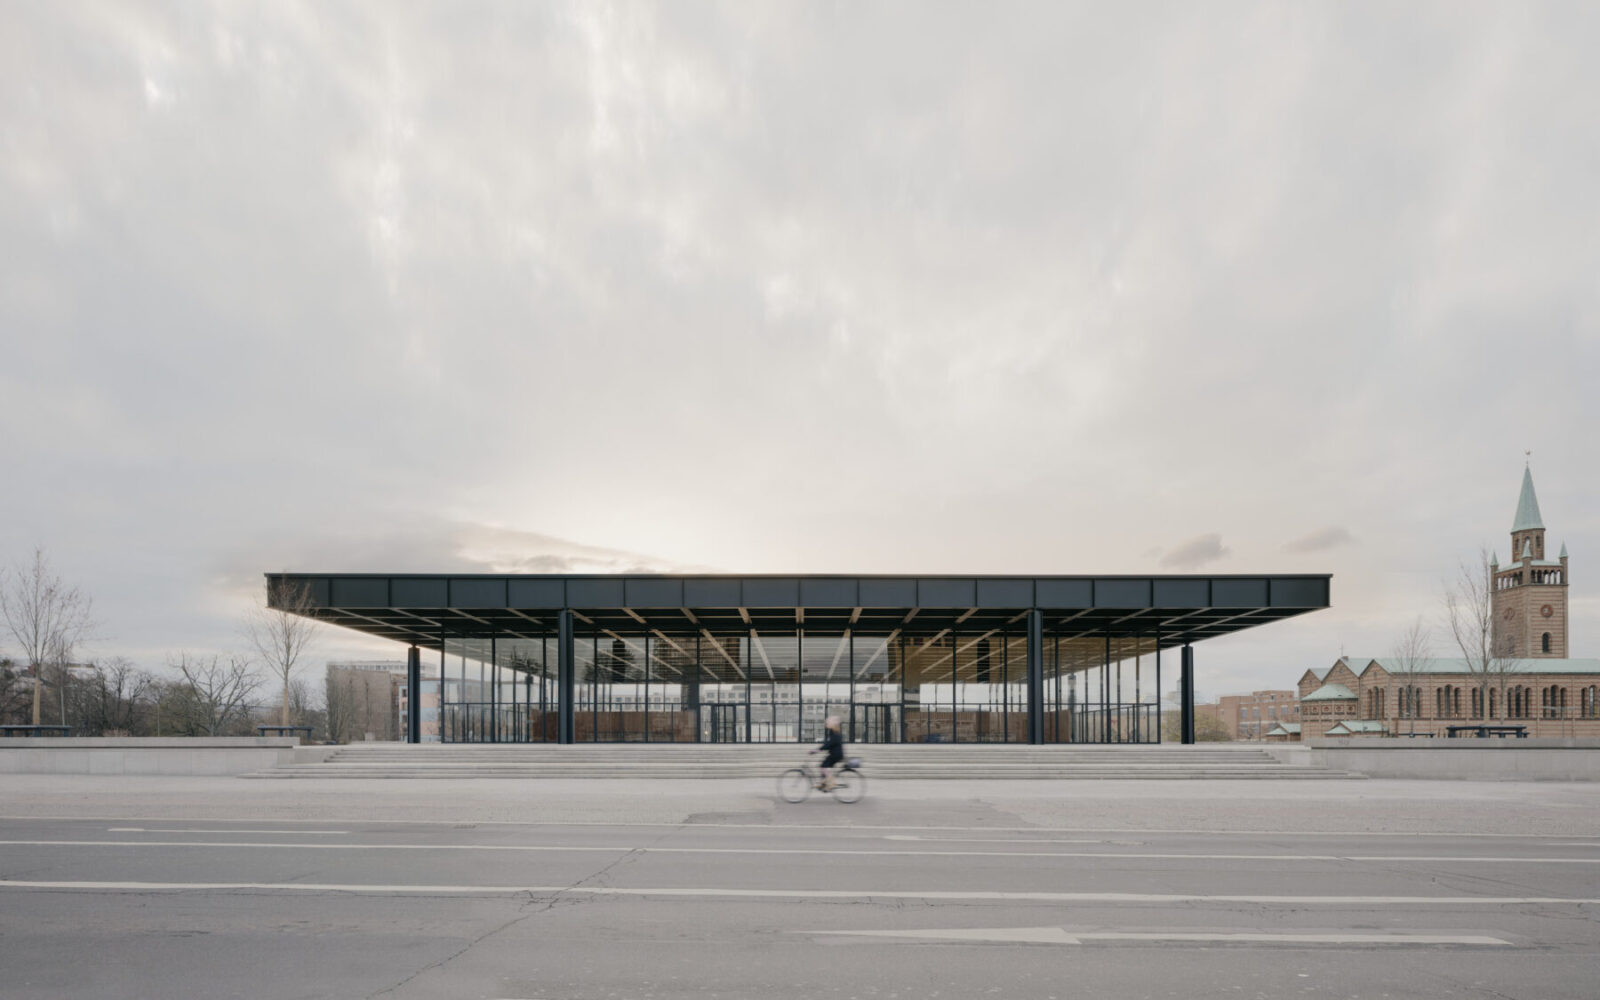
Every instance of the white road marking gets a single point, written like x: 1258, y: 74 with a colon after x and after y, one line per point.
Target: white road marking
x: 1060, y: 935
x: 303, y: 833
x: 989, y: 840
x: 793, y: 852
x: 808, y: 827
x: 700, y: 892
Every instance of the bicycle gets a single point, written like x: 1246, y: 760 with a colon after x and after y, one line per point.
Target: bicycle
x: 795, y: 784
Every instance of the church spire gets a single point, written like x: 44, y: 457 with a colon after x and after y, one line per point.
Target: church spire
x: 1528, y: 518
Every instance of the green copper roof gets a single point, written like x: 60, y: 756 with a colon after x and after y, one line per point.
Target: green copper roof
x: 1331, y: 692
x: 1527, y: 505
x: 1582, y: 666
x: 1353, y: 726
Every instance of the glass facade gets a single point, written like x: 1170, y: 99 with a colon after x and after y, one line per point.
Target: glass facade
x: 1102, y: 689
x: 717, y: 658
x: 760, y: 685
x: 496, y: 689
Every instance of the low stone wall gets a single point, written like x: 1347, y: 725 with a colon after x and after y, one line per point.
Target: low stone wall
x: 221, y: 755
x: 1472, y: 759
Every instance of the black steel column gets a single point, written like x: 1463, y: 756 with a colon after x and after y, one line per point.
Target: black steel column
x: 1036, y: 677
x: 564, y: 672
x: 1160, y: 694
x: 414, y: 695
x: 1186, y: 692
x: 1105, y: 694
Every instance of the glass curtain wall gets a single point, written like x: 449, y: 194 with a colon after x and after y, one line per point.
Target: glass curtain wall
x: 724, y: 702
x: 877, y: 709
x: 824, y: 684
x: 965, y: 687
x: 634, y: 687
x: 774, y: 687
x: 1101, y: 689
x: 495, y: 689
x: 777, y: 686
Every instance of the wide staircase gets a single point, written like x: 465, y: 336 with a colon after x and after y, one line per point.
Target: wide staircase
x: 880, y: 761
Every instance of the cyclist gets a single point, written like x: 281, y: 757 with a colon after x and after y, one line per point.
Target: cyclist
x: 833, y: 745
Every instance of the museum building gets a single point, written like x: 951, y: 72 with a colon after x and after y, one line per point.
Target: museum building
x: 765, y: 659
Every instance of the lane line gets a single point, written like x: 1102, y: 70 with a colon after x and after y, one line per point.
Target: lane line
x: 701, y: 892
x: 1061, y: 935
x: 301, y: 833
x: 794, y: 828
x: 787, y: 852
x: 990, y: 840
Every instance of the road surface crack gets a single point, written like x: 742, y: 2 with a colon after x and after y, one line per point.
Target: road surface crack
x: 549, y: 904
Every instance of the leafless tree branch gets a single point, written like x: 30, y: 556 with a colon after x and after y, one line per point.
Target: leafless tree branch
x: 45, y: 616
x: 281, y: 631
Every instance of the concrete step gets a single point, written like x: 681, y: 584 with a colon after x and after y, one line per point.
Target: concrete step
x: 1108, y: 773
x: 883, y: 761
x: 877, y: 751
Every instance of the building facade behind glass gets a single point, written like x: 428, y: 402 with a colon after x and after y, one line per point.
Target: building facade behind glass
x: 578, y: 659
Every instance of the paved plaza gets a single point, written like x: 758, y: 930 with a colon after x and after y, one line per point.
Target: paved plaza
x: 221, y: 887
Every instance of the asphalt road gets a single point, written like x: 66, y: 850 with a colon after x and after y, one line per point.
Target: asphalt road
x: 897, y: 897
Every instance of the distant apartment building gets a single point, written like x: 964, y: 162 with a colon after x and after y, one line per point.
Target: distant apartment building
x: 366, y: 700
x: 1252, y: 716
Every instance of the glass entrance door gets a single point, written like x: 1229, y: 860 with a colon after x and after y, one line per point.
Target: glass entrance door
x: 721, y: 723
x: 875, y: 723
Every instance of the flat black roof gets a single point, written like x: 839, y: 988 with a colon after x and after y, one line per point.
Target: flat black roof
x: 418, y: 608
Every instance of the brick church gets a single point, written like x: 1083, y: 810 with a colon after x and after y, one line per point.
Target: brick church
x: 1529, y: 684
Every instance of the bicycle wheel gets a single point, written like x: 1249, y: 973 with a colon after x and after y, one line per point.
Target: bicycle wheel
x: 849, y: 785
x: 794, y: 785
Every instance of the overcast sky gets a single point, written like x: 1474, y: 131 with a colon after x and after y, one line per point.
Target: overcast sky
x: 806, y: 287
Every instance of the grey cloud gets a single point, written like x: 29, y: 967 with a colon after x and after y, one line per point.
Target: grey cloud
x: 436, y: 546
x: 773, y: 288
x: 1196, y: 552
x: 1327, y: 538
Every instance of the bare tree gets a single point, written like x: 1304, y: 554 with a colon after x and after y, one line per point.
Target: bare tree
x: 213, y: 695
x: 1469, y: 615
x: 304, y: 702
x: 46, y: 617
x: 1411, y: 653
x: 112, y: 700
x: 14, y: 695
x: 281, y: 631
x: 340, y: 708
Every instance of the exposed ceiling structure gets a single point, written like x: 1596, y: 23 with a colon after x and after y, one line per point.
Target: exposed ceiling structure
x: 422, y: 610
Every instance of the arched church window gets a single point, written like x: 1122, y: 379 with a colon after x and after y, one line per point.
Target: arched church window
x: 1545, y: 643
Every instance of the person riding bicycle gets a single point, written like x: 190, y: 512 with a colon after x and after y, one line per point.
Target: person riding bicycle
x: 833, y: 745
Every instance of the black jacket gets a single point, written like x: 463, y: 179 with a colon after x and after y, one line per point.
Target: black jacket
x: 832, y: 742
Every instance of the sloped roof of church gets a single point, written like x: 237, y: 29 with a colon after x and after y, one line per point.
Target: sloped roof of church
x: 1331, y: 692
x: 1524, y: 665
x: 1353, y: 726
x: 1527, y: 506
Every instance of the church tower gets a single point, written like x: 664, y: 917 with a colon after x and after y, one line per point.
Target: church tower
x: 1529, y: 596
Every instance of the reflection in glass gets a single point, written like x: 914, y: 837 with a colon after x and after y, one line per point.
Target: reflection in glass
x: 778, y: 685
